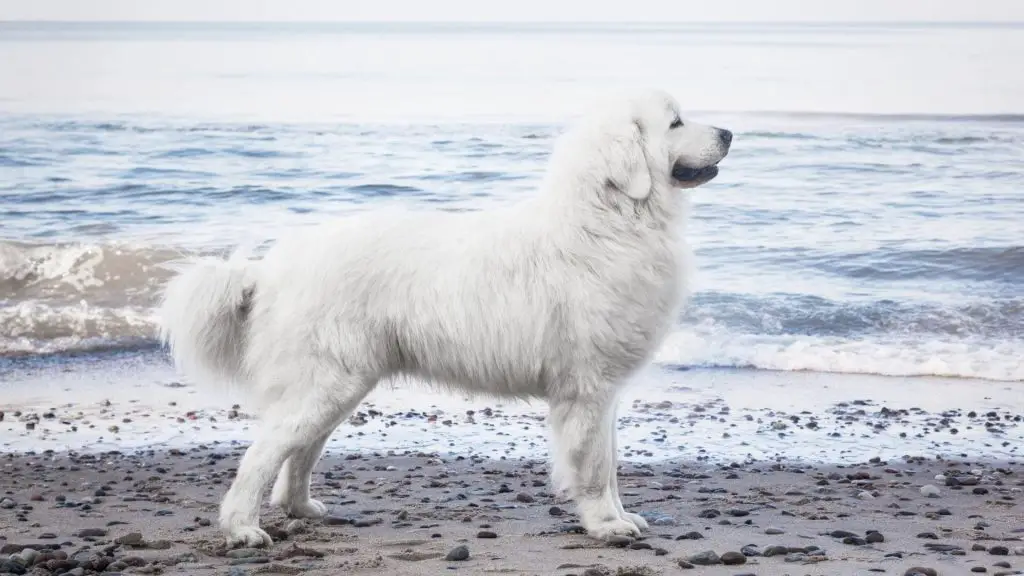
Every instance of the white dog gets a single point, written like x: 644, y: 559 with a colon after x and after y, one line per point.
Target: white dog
x: 561, y: 297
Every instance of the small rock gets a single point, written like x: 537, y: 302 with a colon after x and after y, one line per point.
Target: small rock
x: 616, y: 541
x: 928, y: 536
x: 874, y: 537
x: 796, y: 557
x: 750, y: 550
x: 458, y: 554
x: 7, y: 504
x: 999, y: 551
x: 486, y: 534
x: 930, y: 491
x: 774, y: 531
x: 775, y: 551
x: 525, y: 498
x: 733, y: 559
x: 682, y: 564
x: 690, y: 536
x: 130, y: 539
x: 245, y: 553
x: 11, y: 567
x: 919, y: 571
x: 556, y: 511
x: 705, y: 558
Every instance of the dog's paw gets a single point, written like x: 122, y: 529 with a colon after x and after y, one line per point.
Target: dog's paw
x: 313, y: 509
x: 637, y: 520
x: 617, y: 527
x: 247, y: 537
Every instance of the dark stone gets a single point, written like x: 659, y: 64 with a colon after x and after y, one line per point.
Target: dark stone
x: 458, y: 554
x: 486, y: 534
x: 874, y: 537
x: 733, y: 559
x: 999, y: 551
x: 705, y: 558
x: 776, y: 551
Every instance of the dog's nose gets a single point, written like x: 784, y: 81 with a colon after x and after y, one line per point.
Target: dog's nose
x: 725, y: 136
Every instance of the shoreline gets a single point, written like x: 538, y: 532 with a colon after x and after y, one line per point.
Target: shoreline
x: 402, y: 514
x: 133, y: 401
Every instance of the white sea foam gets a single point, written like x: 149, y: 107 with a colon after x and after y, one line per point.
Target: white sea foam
x: 913, y: 356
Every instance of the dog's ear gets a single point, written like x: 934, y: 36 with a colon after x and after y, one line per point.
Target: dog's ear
x: 627, y: 163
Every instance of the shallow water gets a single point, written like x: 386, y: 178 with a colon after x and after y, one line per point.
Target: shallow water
x: 868, y: 219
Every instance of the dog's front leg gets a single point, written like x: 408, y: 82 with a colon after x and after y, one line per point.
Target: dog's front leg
x: 583, y: 445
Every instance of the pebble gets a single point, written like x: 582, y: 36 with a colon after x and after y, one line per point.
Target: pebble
x: 7, y: 504
x: 525, y: 498
x: 874, y: 537
x: 705, y: 558
x: 11, y: 567
x: 458, y: 554
x: 776, y: 551
x: 616, y: 541
x: 681, y: 562
x: 733, y: 559
x: 556, y: 511
x: 919, y: 571
x: 774, y: 531
x: 245, y: 553
x: 999, y: 551
x: 486, y: 534
x: 930, y: 491
x: 91, y: 533
x: 750, y: 550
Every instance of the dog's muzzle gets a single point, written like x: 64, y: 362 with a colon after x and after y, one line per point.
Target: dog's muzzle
x: 689, y: 175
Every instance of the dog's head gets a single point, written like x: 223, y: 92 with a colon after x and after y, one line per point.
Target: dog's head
x: 644, y: 143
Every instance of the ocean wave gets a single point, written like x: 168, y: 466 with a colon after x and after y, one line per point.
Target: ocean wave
x: 36, y: 328
x: 803, y: 314
x: 977, y: 359
x: 67, y: 298
x: 984, y: 263
x: 102, y: 275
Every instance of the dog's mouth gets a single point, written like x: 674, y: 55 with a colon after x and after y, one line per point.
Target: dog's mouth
x: 686, y: 177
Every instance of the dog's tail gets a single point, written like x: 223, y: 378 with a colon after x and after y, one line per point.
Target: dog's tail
x: 204, y: 318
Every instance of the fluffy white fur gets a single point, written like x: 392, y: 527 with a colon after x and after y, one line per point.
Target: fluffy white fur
x: 561, y: 297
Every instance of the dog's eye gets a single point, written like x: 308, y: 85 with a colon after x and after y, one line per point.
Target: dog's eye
x: 677, y: 123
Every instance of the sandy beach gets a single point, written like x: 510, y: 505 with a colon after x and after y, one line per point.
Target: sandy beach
x: 113, y: 463
x: 150, y: 512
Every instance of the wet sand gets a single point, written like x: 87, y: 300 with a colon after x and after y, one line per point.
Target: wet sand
x: 154, y: 512
x: 116, y: 464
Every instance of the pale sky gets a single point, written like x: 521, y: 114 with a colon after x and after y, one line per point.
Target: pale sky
x: 518, y: 10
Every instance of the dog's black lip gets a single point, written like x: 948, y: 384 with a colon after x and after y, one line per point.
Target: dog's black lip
x: 686, y: 174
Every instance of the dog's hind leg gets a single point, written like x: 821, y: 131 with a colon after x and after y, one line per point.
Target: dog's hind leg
x: 292, y: 424
x: 291, y: 490
x: 582, y: 434
x: 613, y: 480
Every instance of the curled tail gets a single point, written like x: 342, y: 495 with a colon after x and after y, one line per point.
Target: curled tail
x: 204, y: 317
